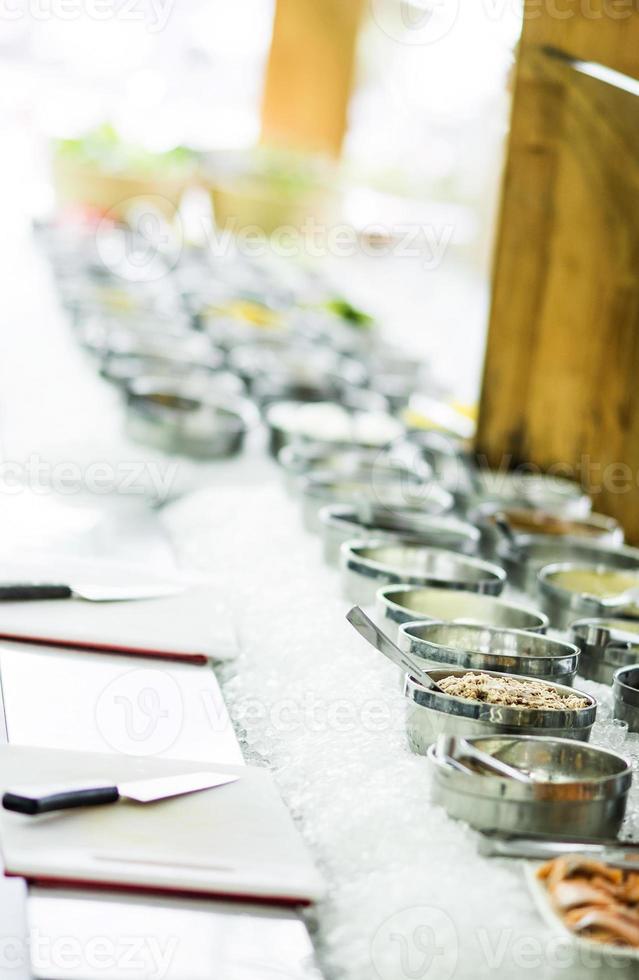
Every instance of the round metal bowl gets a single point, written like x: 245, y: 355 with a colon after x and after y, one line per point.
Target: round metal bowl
x: 625, y: 696
x: 178, y: 418
x: 564, y: 604
x: 295, y: 364
x: 298, y: 460
x: 577, y: 788
x: 329, y: 423
x: 527, y: 520
x: 431, y: 714
x: 534, y: 551
x: 606, y: 645
x: 488, y: 648
x: 380, y: 486
x: 397, y: 604
x: 190, y: 349
x: 369, y: 564
x: 536, y: 490
x: 343, y: 522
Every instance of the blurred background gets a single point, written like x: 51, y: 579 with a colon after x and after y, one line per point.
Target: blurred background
x: 183, y: 98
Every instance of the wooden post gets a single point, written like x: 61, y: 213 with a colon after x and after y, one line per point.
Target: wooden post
x: 562, y: 362
x: 309, y: 75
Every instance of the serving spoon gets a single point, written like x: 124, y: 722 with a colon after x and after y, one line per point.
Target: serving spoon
x: 382, y: 642
x: 453, y: 749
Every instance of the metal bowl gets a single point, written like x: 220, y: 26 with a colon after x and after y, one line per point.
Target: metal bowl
x: 397, y: 604
x: 369, y: 564
x: 534, y: 551
x: 431, y: 714
x: 380, y: 487
x: 343, y: 522
x: 329, y: 423
x: 299, y: 460
x: 578, y: 788
x: 528, y: 520
x: 536, y: 490
x: 488, y: 648
x: 564, y: 605
x: 625, y: 696
x: 179, y: 418
x: 606, y: 645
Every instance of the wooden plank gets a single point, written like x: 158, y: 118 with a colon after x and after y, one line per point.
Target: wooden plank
x: 606, y: 31
x: 309, y: 75
x: 563, y: 351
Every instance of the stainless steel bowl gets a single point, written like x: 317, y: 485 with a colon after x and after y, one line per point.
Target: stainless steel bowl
x: 488, y: 648
x: 578, y: 789
x: 343, y: 522
x: 380, y: 487
x: 298, y: 460
x: 534, y: 551
x: 625, y: 696
x: 178, y: 418
x: 367, y: 565
x: 596, y: 528
x: 431, y: 714
x: 397, y: 604
x: 329, y: 423
x: 606, y: 645
x: 537, y: 490
x: 564, y: 605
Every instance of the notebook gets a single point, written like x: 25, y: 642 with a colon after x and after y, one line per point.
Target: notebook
x: 236, y: 840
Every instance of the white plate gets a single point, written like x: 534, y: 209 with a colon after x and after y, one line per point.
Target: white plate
x: 550, y: 917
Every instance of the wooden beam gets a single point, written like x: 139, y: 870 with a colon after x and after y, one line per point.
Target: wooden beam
x: 560, y: 379
x: 309, y: 74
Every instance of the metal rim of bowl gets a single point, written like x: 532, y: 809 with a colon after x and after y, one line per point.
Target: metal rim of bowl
x: 498, y: 714
x: 591, y: 551
x: 622, y: 690
x: 577, y: 601
x: 492, y: 582
x: 599, y: 788
x: 414, y: 615
x: 597, y: 640
x: 610, y: 529
x: 287, y: 432
x: 411, y: 523
x: 560, y: 658
x: 293, y: 459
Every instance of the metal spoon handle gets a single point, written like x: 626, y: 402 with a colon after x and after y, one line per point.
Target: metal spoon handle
x: 452, y: 747
x: 378, y: 639
x: 505, y: 528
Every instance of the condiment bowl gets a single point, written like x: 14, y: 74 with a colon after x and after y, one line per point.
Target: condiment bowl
x: 488, y: 648
x: 571, y: 590
x: 431, y: 714
x: 534, y: 551
x: 397, y: 604
x: 366, y: 565
x: 178, y: 418
x: 577, y: 790
x: 625, y: 696
x: 344, y: 522
x: 596, y: 528
x: 376, y: 487
x: 606, y: 645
